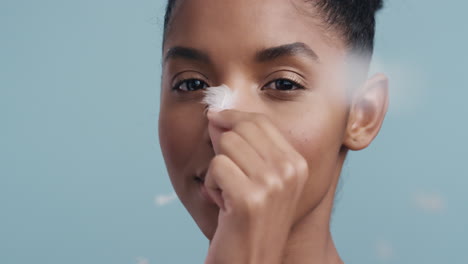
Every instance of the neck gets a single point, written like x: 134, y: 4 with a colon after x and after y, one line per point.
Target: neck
x: 310, y: 240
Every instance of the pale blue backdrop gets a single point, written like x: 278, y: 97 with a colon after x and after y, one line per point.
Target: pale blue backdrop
x: 82, y: 179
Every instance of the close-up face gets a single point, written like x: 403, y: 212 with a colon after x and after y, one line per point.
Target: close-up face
x: 281, y: 60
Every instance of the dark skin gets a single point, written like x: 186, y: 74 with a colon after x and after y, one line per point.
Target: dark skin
x: 272, y: 164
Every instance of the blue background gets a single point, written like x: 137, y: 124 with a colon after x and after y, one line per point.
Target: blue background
x: 82, y: 178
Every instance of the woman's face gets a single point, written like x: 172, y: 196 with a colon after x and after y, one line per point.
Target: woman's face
x: 282, y: 62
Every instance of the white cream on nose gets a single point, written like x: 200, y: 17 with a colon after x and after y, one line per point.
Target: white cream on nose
x: 219, y: 98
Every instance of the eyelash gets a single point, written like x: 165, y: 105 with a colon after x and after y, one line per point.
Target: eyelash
x: 292, y: 80
x: 179, y: 83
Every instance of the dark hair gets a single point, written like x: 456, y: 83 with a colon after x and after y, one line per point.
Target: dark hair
x: 355, y: 19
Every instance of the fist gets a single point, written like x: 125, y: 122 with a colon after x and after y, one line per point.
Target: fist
x: 256, y: 179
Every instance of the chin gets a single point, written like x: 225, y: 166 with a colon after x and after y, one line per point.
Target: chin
x: 209, y: 230
x: 205, y: 214
x: 207, y: 221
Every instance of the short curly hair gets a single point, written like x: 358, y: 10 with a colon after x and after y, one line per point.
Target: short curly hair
x: 355, y: 19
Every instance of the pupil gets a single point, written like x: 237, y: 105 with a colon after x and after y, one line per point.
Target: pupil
x: 284, y: 85
x: 194, y: 85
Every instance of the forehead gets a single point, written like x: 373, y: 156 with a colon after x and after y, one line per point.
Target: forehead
x: 239, y: 26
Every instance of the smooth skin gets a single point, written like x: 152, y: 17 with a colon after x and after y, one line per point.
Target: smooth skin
x: 272, y: 164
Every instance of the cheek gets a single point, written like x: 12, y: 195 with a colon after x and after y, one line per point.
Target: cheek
x: 317, y: 136
x: 178, y: 136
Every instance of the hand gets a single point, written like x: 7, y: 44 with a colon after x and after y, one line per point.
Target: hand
x: 256, y: 178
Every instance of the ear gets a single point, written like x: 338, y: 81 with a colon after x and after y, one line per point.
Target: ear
x: 368, y: 108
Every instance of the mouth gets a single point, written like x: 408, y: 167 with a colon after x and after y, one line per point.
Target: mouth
x: 200, y: 177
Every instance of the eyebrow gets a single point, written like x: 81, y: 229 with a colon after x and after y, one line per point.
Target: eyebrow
x: 269, y: 54
x: 187, y: 53
x: 293, y: 49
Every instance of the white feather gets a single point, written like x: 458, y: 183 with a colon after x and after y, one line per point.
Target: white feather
x: 218, y: 97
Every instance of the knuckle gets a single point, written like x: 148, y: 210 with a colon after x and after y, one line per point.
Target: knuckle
x: 286, y: 169
x: 275, y: 184
x: 255, y: 202
x: 270, y: 173
x: 293, y: 171
x: 249, y: 205
x: 302, y: 167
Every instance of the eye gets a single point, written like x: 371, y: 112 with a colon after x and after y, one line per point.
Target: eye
x: 190, y: 85
x: 284, y: 85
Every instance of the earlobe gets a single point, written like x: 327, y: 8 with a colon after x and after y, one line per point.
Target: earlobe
x: 368, y: 108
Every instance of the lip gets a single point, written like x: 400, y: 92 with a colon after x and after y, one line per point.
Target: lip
x: 204, y: 193
x: 199, y: 178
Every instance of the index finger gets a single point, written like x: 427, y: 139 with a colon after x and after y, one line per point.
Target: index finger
x: 227, y: 119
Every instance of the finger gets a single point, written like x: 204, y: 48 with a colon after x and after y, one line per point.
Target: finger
x: 249, y: 132
x: 274, y: 134
x: 241, y: 153
x: 267, y: 140
x: 285, y: 159
x: 227, y: 118
x: 225, y: 182
x: 280, y: 156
